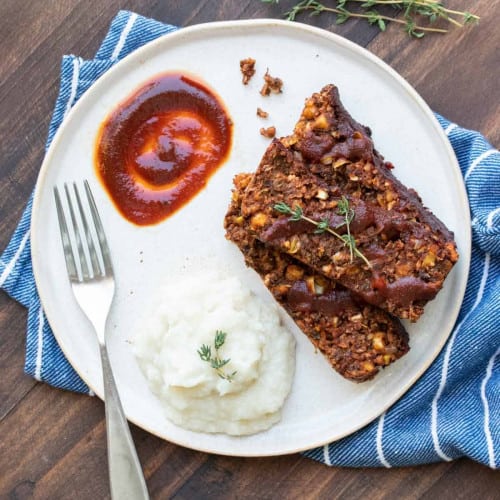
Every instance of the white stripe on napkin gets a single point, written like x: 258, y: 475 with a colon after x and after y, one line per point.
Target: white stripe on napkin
x: 123, y: 37
x: 39, y: 346
x: 446, y: 362
x: 487, y: 432
x: 449, y: 128
x: 380, y: 448
x: 491, y: 215
x: 12, y: 263
x: 326, y: 455
x: 74, y: 85
x: 478, y: 160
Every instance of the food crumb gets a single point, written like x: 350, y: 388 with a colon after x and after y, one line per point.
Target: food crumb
x: 271, y: 84
x: 262, y: 113
x: 268, y: 132
x: 247, y: 67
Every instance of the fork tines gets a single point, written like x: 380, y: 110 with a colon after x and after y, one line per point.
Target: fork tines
x: 84, y: 243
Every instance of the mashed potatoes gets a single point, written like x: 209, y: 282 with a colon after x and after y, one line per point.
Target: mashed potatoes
x: 260, y: 350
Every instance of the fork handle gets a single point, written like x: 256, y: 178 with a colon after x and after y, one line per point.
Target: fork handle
x: 125, y: 472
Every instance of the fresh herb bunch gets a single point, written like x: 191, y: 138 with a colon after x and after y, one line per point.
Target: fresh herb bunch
x: 414, y: 12
x: 322, y: 226
x: 216, y: 362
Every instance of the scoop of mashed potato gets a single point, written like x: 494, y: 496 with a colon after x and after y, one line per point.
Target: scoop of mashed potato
x: 261, y: 354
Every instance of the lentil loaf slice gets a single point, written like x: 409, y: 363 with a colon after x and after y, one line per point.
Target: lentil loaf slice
x: 330, y: 157
x: 356, y: 338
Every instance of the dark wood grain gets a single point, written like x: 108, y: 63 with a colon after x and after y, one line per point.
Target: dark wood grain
x: 455, y: 74
x: 52, y: 442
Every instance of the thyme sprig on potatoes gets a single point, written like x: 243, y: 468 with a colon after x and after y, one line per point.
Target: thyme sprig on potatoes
x: 323, y: 225
x: 419, y: 16
x: 216, y: 362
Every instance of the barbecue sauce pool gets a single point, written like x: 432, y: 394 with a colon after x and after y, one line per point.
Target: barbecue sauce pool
x: 160, y: 146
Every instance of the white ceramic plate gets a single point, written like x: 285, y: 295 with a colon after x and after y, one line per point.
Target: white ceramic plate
x: 322, y: 406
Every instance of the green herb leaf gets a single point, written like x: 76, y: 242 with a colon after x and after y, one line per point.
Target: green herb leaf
x: 414, y: 11
x: 282, y: 208
x: 322, y: 226
x: 296, y: 214
x: 216, y: 362
x: 220, y: 338
x: 349, y: 240
x: 470, y: 18
x: 343, y: 206
x: 219, y: 363
x: 342, y: 15
x: 205, y: 352
x: 344, y: 209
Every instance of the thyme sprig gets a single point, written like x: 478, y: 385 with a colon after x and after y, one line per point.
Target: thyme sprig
x: 323, y: 225
x: 414, y: 12
x: 216, y: 362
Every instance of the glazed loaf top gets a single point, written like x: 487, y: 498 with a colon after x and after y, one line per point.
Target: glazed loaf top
x: 356, y: 338
x: 328, y: 163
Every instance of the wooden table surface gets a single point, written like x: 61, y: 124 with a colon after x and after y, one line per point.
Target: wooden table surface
x: 52, y: 442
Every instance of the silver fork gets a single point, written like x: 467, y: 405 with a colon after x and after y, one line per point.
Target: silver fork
x: 94, y: 286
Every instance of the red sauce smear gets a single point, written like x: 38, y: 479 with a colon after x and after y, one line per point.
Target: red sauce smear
x: 159, y: 147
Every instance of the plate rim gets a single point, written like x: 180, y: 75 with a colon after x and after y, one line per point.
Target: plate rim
x: 262, y: 24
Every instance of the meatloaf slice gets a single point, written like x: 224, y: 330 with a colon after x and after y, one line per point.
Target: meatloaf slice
x: 329, y: 158
x: 357, y: 339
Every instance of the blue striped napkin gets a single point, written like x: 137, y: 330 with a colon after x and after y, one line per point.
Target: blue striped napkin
x: 454, y: 408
